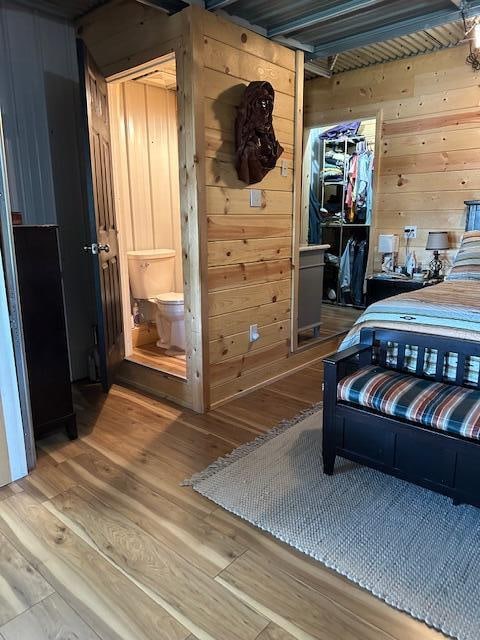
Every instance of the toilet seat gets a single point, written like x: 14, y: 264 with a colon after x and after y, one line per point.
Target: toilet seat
x: 170, y: 317
x: 171, y: 298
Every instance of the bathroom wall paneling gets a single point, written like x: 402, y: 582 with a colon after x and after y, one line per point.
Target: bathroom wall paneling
x: 150, y: 207
x: 131, y: 38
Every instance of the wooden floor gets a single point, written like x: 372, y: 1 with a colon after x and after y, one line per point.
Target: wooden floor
x: 102, y: 542
x: 335, y: 321
x: 152, y: 356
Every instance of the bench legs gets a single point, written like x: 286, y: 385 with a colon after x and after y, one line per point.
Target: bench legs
x: 330, y: 403
x: 328, y: 462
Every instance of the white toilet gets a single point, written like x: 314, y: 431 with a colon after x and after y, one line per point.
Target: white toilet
x: 151, y: 274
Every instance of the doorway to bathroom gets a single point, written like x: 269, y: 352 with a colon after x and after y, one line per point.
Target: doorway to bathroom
x: 145, y: 154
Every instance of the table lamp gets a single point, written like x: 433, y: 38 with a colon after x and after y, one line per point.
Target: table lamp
x: 437, y: 241
x: 388, y: 247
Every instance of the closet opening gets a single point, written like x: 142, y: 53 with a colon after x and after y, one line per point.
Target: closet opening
x: 336, y: 219
x: 144, y: 130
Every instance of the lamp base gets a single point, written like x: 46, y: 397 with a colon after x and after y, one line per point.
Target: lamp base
x: 435, y: 267
x: 388, y: 262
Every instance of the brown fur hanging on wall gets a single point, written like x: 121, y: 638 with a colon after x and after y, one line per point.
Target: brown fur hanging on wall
x: 257, y: 149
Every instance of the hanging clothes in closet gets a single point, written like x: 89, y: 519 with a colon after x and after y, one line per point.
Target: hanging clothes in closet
x: 353, y: 264
x: 359, y: 195
x: 315, y: 217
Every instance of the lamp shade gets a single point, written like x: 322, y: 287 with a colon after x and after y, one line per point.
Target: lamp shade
x: 437, y: 240
x: 387, y: 243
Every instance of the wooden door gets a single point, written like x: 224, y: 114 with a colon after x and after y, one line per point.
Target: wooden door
x: 103, y: 243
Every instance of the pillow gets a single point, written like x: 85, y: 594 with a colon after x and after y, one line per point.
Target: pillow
x: 466, y: 265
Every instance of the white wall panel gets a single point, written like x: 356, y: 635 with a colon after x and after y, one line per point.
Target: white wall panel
x: 150, y: 211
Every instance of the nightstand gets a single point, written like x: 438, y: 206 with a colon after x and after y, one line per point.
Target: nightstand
x: 381, y: 288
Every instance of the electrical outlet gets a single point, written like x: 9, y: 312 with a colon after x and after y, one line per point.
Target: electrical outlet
x: 253, y: 334
x: 284, y: 169
x: 255, y: 197
x: 410, y: 232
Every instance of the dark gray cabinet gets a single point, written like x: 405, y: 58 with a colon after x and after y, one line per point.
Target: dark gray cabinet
x: 44, y: 327
x: 310, y: 287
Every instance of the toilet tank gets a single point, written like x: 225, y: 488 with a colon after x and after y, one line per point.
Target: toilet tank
x: 150, y: 272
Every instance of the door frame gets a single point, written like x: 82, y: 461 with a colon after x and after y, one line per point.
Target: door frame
x: 301, y: 208
x: 17, y: 448
x: 190, y: 132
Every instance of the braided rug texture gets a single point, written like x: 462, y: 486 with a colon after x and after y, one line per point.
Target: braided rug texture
x: 409, y: 546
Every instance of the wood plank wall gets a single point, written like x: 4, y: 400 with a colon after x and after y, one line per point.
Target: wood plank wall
x: 249, y: 249
x: 242, y: 255
x: 430, y: 138
x: 148, y: 164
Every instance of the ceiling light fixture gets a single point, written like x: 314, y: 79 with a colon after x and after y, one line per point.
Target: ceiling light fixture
x: 473, y: 57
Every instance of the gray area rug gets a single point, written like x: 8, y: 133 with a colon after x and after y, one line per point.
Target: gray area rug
x: 407, y: 545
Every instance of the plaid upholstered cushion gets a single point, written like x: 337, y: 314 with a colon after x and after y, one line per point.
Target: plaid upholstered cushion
x: 432, y: 404
x: 466, y: 265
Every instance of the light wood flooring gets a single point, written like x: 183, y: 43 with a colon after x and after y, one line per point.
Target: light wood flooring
x: 335, y: 321
x: 152, y: 356
x: 101, y: 541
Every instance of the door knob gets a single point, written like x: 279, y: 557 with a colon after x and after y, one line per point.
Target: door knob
x: 95, y: 248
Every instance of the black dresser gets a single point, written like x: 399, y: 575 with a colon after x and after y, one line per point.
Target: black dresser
x: 43, y: 317
x: 381, y: 288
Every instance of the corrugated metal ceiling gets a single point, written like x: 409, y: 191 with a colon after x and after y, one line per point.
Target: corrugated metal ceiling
x: 354, y: 33
x: 272, y: 14
x: 425, y: 41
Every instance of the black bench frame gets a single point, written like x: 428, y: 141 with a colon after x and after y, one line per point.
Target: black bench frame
x: 437, y: 460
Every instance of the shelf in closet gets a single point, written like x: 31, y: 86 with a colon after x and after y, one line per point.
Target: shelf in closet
x: 338, y: 238
x: 337, y: 225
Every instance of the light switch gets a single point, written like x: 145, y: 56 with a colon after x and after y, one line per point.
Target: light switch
x: 255, y: 198
x: 254, y: 334
x: 284, y: 169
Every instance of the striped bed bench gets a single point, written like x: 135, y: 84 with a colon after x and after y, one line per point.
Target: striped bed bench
x: 419, y: 427
x: 432, y: 404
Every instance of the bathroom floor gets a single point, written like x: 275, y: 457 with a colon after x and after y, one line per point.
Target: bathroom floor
x: 152, y: 356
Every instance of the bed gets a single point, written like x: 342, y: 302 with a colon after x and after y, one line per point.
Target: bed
x: 406, y: 380
x: 450, y: 309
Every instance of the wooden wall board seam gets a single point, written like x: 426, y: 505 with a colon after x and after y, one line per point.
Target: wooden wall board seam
x: 243, y: 274
x: 467, y: 118
x: 283, y: 75
x: 223, y: 174
x: 236, y: 367
x: 268, y: 292
x: 228, y: 201
x: 235, y: 322
x: 282, y: 122
x: 276, y: 371
x: 222, y: 349
x: 225, y: 252
x: 245, y: 40
x: 232, y: 89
